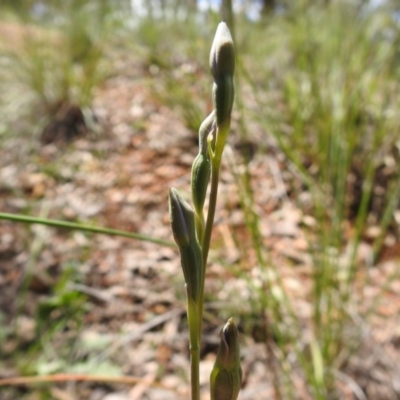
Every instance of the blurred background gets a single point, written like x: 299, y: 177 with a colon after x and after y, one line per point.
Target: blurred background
x: 100, y: 104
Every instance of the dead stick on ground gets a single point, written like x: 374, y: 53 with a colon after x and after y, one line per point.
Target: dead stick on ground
x: 28, y: 380
x: 130, y: 337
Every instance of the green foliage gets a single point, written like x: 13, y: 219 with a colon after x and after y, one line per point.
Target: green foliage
x: 62, y: 310
x: 64, y: 304
x: 57, y: 343
x: 324, y: 85
x: 323, y: 82
x: 170, y: 60
x: 55, y: 57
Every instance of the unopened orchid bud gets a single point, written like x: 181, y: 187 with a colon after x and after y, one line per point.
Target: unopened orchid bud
x: 192, y: 266
x: 181, y: 217
x: 201, y: 171
x: 223, y: 96
x: 207, y: 127
x: 222, y: 64
x: 226, y: 375
x: 184, y: 231
x: 201, y: 168
x: 222, y: 55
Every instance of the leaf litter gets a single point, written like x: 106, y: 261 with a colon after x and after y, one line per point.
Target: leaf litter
x: 118, y: 176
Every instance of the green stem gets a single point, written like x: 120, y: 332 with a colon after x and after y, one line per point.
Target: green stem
x: 215, y: 158
x: 215, y: 166
x: 194, y: 338
x: 195, y: 312
x: 195, y: 372
x: 82, y: 227
x: 208, y: 230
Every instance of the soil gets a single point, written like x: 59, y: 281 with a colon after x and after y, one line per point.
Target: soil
x: 117, y: 175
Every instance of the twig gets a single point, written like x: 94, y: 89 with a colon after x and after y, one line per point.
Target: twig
x: 160, y: 319
x: 92, y: 292
x: 29, y: 380
x: 352, y: 384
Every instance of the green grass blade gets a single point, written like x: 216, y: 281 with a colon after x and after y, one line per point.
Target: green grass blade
x: 82, y: 227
